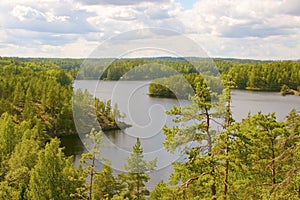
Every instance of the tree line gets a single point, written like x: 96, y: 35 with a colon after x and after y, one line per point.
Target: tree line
x: 269, y: 76
x: 246, y: 74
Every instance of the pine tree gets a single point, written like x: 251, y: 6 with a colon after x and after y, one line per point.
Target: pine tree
x: 19, y: 95
x: 194, y: 125
x: 95, y: 187
x: 105, y: 184
x: 222, y: 146
x: 28, y: 111
x: 137, y: 168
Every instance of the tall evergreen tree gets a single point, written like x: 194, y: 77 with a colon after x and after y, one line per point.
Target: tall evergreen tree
x: 137, y: 175
x: 90, y: 161
x: 194, y: 125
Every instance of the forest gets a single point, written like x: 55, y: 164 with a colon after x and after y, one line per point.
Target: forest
x: 283, y: 76
x: 256, y: 158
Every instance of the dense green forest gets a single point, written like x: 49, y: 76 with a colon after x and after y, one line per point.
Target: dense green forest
x: 182, y: 86
x: 256, y: 158
x: 246, y: 74
x: 281, y: 76
x: 32, y: 91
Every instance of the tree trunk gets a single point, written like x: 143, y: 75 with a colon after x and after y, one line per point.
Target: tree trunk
x: 209, y: 146
x: 214, y: 191
x: 226, y: 168
x: 228, y: 120
x: 92, y: 176
x: 273, y: 169
x: 209, y: 141
x: 138, y: 186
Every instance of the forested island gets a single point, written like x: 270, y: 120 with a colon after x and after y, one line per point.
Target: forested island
x: 257, y: 158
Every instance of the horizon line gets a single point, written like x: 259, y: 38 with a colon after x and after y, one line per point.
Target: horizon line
x: 148, y: 57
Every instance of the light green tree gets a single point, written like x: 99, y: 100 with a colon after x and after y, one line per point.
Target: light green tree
x: 22, y: 160
x: 9, y: 137
x: 54, y: 176
x: 137, y: 176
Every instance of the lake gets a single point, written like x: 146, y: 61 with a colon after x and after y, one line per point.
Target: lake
x: 147, y: 117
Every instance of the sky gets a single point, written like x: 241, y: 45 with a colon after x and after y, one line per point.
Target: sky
x: 254, y: 29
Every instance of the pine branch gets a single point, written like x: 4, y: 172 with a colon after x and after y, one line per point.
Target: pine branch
x: 186, y: 184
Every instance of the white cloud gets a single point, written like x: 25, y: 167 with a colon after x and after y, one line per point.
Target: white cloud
x: 40, y: 18
x: 117, y: 2
x: 24, y: 12
x: 248, y: 28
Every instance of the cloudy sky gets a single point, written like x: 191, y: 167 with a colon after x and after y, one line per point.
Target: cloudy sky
x: 268, y: 29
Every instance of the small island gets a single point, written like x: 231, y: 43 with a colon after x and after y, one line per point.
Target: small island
x: 286, y: 90
x: 181, y: 86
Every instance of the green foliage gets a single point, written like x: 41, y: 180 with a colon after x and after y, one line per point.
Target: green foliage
x: 194, y: 125
x: 40, y: 89
x: 105, y: 184
x: 20, y: 144
x: 285, y: 90
x: 137, y: 175
x: 163, y: 192
x: 7, y: 192
x: 22, y: 160
x: 182, y: 86
x: 30, y: 89
x: 257, y: 158
x: 54, y: 174
x: 9, y: 136
x: 175, y: 86
x: 98, y: 184
x: 261, y: 156
x: 104, y: 112
x: 89, y: 160
x: 270, y: 76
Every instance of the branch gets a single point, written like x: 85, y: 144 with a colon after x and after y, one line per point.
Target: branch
x: 80, y: 196
x: 186, y: 184
x: 219, y: 123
